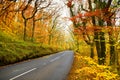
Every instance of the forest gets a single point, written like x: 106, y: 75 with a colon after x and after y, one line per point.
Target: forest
x: 35, y: 28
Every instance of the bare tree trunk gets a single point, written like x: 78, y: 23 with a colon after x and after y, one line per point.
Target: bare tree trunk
x: 112, y: 50
x: 117, y: 61
x: 96, y: 38
x: 103, y: 47
x: 102, y: 42
x: 98, y: 48
x: 111, y: 42
x: 92, y: 50
x: 33, y: 30
x: 50, y: 38
x: 25, y: 31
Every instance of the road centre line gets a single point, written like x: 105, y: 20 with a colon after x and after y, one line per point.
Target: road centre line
x: 35, y: 68
x: 22, y: 74
x: 56, y: 58
x: 44, y: 63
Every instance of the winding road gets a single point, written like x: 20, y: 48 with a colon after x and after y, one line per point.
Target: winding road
x: 52, y: 67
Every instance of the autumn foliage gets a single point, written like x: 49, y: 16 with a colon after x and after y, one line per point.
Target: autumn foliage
x: 69, y: 4
x: 84, y: 68
x: 97, y: 13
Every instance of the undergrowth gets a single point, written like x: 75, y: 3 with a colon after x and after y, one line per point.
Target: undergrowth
x: 84, y: 68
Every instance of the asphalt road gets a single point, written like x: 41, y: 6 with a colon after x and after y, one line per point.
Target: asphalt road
x: 53, y: 67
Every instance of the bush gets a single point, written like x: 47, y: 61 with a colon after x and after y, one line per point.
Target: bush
x: 84, y: 68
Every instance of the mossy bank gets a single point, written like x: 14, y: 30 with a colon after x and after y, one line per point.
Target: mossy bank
x: 13, y: 50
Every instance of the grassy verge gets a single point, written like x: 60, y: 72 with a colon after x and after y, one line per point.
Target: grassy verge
x: 15, y: 52
x: 84, y: 68
x: 12, y: 51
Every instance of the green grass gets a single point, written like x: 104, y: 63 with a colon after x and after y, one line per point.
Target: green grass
x: 13, y: 50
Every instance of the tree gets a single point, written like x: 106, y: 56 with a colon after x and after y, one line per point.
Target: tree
x: 44, y: 15
x: 95, y: 13
x: 29, y: 9
x: 52, y: 29
x: 7, y: 17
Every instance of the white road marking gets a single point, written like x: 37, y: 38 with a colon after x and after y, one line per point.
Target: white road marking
x: 22, y: 74
x: 44, y: 63
x: 56, y: 58
x: 62, y: 55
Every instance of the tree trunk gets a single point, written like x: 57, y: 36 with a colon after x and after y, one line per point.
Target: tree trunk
x: 103, y: 47
x: 33, y: 31
x: 117, y: 61
x: 25, y: 25
x: 102, y: 42
x: 111, y: 42
x: 112, y: 50
x: 92, y: 50
x: 50, y: 38
x: 98, y: 48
